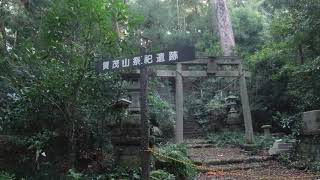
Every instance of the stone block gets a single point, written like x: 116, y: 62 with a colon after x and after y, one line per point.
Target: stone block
x: 279, y: 146
x: 309, y: 147
x: 311, y: 122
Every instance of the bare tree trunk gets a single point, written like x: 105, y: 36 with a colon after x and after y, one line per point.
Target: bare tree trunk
x: 224, y: 26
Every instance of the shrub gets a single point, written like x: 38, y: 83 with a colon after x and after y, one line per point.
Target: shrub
x: 179, y: 152
x: 226, y: 138
x: 162, y: 115
x: 73, y: 175
x: 292, y: 160
x: 6, y: 176
x: 237, y: 139
x: 162, y: 175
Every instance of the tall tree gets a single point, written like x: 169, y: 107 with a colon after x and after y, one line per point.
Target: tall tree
x: 224, y: 26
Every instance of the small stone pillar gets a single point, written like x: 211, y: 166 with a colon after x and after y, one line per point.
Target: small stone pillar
x: 266, y: 130
x: 311, y: 123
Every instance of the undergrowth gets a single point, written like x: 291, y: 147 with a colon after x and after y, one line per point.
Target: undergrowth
x: 179, y: 170
x: 224, y: 139
x: 292, y: 160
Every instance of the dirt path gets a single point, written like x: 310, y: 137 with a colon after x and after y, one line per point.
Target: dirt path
x: 233, y: 163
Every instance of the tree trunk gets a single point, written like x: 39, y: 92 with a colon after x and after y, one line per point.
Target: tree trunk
x: 224, y: 26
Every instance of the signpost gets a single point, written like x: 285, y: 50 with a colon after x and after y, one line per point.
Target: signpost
x: 141, y: 61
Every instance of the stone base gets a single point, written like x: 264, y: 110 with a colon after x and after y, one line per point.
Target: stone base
x: 249, y: 147
x: 128, y: 156
x: 126, y: 145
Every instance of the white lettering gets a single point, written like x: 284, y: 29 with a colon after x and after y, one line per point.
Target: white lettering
x: 160, y: 57
x: 105, y: 65
x: 173, y: 55
x: 148, y: 59
x: 125, y: 62
x: 136, y: 61
x: 115, y: 64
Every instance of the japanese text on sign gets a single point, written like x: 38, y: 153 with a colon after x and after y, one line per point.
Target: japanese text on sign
x: 166, y: 57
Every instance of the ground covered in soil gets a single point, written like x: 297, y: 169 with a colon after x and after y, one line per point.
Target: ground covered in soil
x: 233, y: 163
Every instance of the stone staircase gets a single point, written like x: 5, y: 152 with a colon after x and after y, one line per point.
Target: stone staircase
x: 225, y: 159
x: 191, y: 129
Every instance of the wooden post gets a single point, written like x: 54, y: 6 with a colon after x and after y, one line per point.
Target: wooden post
x: 245, y: 107
x: 179, y: 105
x: 145, y: 157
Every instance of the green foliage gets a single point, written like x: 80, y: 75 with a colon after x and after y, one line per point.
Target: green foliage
x: 217, y: 108
x: 162, y: 114
x: 52, y: 96
x: 73, y: 175
x: 205, y: 103
x: 161, y: 175
x: 7, y: 176
x: 291, y: 160
x: 291, y: 123
x: 120, y: 173
x: 179, y: 152
x: 286, y: 68
x: 249, y: 25
x: 224, y: 139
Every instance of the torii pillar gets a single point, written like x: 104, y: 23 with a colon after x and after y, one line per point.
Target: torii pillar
x: 179, y: 105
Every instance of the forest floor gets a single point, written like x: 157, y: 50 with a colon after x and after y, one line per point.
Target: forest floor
x: 233, y: 163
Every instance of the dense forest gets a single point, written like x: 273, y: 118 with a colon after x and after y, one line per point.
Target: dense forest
x: 55, y: 109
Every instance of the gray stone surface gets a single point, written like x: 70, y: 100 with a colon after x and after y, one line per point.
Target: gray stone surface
x: 311, y: 122
x: 309, y: 147
x: 279, y: 146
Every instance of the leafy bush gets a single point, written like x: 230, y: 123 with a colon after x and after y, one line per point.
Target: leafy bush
x: 6, y: 176
x: 217, y: 112
x: 178, y: 152
x: 238, y: 139
x: 292, y: 160
x: 73, y: 175
x: 162, y: 115
x: 291, y: 124
x: 161, y: 175
x: 226, y: 138
x: 205, y: 105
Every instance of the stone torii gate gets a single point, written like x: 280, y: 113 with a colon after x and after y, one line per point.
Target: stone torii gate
x: 183, y: 59
x: 223, y: 66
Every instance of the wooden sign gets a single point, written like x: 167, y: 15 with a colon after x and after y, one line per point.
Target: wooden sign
x: 165, y: 57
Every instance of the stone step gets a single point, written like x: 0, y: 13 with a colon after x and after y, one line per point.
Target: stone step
x: 252, y: 159
x: 234, y: 167
x: 202, y: 145
x: 191, y: 136
x: 196, y: 141
x: 192, y: 131
x: 191, y: 125
x: 195, y: 134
